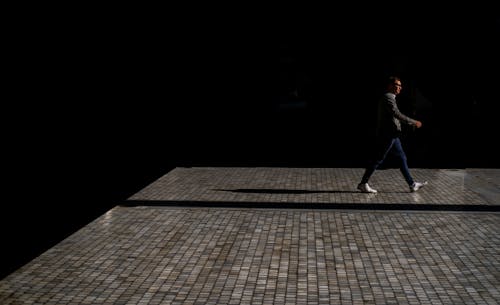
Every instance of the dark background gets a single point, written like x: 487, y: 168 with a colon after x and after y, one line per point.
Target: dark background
x: 105, y: 101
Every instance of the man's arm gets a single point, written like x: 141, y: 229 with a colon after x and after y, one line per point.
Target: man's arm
x: 394, y: 110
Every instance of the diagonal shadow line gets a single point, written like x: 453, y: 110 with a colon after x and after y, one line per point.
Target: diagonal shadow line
x: 288, y: 191
x: 279, y: 191
x: 309, y: 205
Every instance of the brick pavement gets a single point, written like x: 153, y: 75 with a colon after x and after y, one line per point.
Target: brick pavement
x: 172, y: 255
x: 320, y: 185
x: 208, y: 255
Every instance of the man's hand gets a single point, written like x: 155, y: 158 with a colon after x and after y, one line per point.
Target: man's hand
x: 418, y: 124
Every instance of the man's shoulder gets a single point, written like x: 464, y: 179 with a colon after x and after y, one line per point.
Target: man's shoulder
x: 388, y: 97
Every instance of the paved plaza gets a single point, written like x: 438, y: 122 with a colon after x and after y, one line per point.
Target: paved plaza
x: 161, y: 247
x: 327, y: 186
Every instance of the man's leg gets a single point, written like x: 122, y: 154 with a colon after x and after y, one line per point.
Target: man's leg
x: 404, y: 163
x: 383, y: 147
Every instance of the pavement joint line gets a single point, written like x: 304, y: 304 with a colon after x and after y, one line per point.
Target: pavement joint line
x: 308, y: 205
x: 236, y: 208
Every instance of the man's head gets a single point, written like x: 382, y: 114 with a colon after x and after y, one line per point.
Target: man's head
x: 394, y: 85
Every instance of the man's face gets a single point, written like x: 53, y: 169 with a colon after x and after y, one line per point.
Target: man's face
x: 396, y: 87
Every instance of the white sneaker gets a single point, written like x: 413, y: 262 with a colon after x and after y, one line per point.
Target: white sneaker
x: 365, y: 188
x: 417, y: 185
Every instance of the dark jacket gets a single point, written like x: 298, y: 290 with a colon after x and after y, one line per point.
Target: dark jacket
x: 389, y: 117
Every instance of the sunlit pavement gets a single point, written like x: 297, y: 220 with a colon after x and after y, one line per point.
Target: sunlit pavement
x: 281, y: 236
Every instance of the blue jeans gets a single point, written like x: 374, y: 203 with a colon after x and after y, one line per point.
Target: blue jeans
x: 384, y: 147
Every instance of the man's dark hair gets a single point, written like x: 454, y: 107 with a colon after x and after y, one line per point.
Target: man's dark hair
x: 392, y: 79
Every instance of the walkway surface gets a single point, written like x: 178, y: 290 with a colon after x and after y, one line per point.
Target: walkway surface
x: 171, y: 243
x: 327, y: 186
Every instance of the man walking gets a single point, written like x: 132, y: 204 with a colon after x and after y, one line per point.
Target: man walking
x: 389, y: 121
